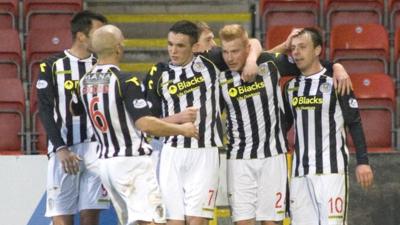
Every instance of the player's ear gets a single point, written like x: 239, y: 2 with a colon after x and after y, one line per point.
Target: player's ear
x: 318, y: 50
x: 80, y: 36
x: 195, y: 47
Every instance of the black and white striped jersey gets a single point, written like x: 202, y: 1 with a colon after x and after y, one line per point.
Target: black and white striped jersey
x: 320, y: 116
x: 171, y: 89
x: 114, y: 101
x: 58, y: 78
x: 255, y: 109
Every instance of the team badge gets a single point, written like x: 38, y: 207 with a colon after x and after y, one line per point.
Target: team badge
x: 263, y: 69
x: 198, y: 66
x: 325, y: 88
x: 353, y: 103
x: 41, y: 84
x: 139, y: 103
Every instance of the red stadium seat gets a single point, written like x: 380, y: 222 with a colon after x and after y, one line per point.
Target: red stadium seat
x: 10, y: 54
x: 50, y: 13
x: 12, y: 109
x: 394, y: 15
x: 397, y: 53
x: 376, y: 98
x: 43, y: 43
x: 353, y: 12
x: 289, y: 12
x: 39, y: 138
x: 8, y: 14
x: 360, y: 48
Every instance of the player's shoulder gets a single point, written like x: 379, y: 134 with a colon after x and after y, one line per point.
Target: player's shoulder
x: 50, y: 60
x: 269, y: 56
x: 128, y: 78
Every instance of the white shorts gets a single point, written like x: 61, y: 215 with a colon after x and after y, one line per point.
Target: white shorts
x: 319, y: 199
x: 132, y: 185
x: 257, y: 188
x: 189, y: 181
x: 68, y: 194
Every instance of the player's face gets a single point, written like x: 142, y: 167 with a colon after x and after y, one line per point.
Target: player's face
x: 235, y: 53
x: 304, y: 52
x: 96, y: 24
x: 206, y: 41
x: 179, y: 49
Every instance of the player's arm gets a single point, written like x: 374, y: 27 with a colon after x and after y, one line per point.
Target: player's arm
x: 284, y: 47
x: 288, y: 115
x: 46, y: 98
x: 352, y: 120
x: 138, y: 108
x: 250, y: 69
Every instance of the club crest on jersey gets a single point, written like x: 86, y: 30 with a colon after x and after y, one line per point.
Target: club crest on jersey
x: 353, y: 103
x: 263, y: 69
x: 198, y: 67
x: 41, y: 84
x: 325, y: 88
x: 139, y: 103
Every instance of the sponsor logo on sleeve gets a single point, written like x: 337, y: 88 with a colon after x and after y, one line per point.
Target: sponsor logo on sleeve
x: 353, y: 103
x: 139, y: 103
x: 41, y: 84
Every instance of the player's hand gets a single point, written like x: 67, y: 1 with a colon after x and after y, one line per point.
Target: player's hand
x: 190, y: 130
x: 341, y: 79
x: 364, y: 175
x: 250, y: 71
x: 288, y: 41
x: 188, y: 115
x: 69, y: 161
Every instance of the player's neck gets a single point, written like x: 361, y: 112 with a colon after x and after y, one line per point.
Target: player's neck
x: 107, y: 61
x: 79, y: 52
x: 313, y: 69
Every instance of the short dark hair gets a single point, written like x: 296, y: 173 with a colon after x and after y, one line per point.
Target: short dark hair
x: 316, y: 35
x: 82, y: 22
x: 187, y: 28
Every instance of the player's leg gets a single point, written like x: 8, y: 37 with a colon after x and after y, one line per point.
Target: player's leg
x: 63, y: 220
x: 171, y: 184
x: 332, y: 197
x: 200, y: 184
x: 92, y: 195
x: 62, y: 193
x: 303, y: 205
x: 89, y: 217
x: 242, y: 190
x: 272, y: 188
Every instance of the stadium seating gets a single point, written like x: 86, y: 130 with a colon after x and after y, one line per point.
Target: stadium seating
x: 289, y: 12
x: 50, y: 13
x: 10, y: 54
x: 376, y: 99
x: 394, y: 15
x: 8, y: 14
x: 353, y: 12
x: 12, y: 109
x: 360, y: 48
x: 41, y: 43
